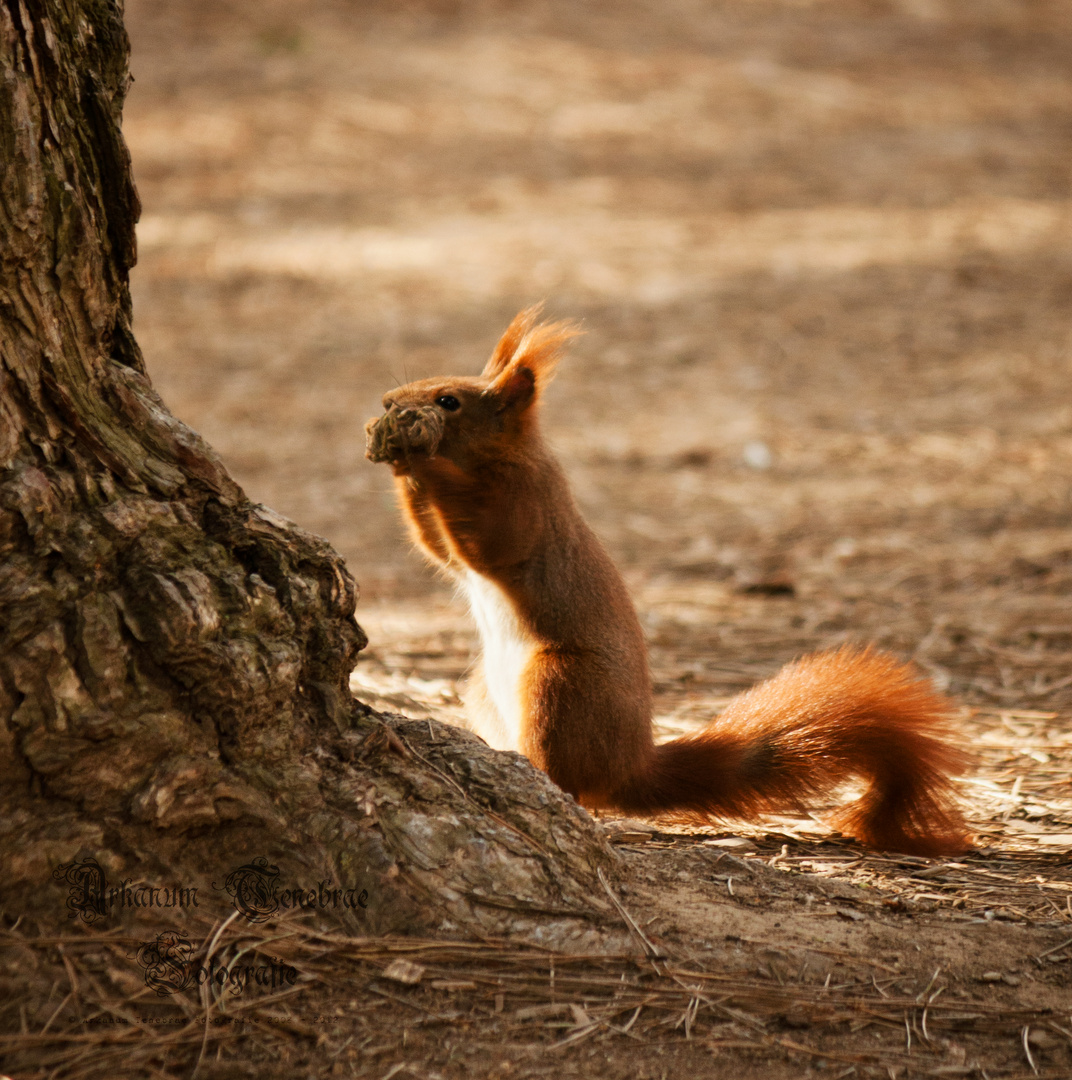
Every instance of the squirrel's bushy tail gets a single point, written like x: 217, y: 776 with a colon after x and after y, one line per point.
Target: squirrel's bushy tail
x: 820, y: 721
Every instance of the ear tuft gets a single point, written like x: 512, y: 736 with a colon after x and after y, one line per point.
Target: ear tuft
x: 538, y: 346
x: 504, y: 352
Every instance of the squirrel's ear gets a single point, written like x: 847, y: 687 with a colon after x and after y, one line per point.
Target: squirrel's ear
x: 528, y: 354
x: 514, y: 388
x: 507, y: 348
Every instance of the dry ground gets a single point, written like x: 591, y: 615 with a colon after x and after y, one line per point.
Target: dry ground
x: 823, y: 253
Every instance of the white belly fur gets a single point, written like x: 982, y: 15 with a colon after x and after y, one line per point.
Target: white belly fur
x: 506, y: 652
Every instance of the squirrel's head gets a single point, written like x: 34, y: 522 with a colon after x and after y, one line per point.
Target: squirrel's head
x: 467, y: 417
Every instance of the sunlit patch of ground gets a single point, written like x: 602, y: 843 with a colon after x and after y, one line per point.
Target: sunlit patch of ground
x: 1017, y: 797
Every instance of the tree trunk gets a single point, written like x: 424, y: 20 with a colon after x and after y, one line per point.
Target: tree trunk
x: 173, y: 658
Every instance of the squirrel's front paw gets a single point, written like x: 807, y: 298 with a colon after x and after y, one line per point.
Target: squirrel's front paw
x: 402, y: 433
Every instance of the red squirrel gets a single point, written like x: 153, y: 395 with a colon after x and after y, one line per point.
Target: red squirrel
x: 564, y: 678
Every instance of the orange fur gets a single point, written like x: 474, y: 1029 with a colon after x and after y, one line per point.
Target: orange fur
x: 564, y: 677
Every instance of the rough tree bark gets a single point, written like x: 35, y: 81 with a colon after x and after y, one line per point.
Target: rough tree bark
x: 173, y: 658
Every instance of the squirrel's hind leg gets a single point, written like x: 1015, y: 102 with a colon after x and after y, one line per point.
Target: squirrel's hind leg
x: 588, y: 732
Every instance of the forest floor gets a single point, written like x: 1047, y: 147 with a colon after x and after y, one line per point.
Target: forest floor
x: 822, y: 251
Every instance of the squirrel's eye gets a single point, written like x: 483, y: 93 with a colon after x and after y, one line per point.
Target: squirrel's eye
x: 448, y: 402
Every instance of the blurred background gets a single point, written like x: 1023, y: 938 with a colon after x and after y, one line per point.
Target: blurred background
x: 822, y: 250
